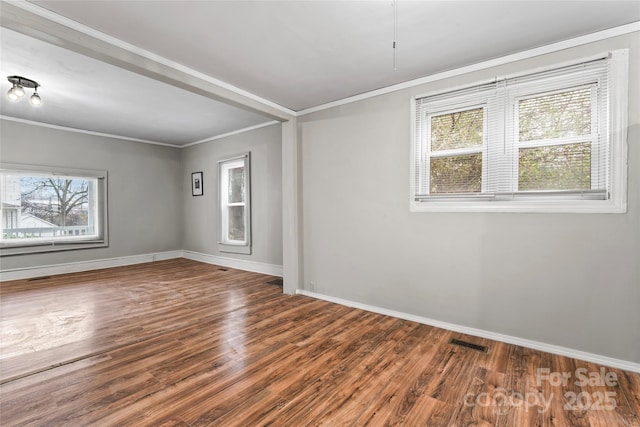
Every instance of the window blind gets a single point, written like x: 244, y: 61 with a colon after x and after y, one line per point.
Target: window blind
x: 542, y: 135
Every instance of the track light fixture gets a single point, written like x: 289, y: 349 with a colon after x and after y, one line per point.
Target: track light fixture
x: 17, y: 90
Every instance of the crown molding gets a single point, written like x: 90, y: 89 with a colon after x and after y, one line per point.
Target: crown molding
x: 115, y: 42
x: 126, y: 138
x: 235, y: 132
x: 542, y: 50
x: 530, y: 53
x: 84, y: 131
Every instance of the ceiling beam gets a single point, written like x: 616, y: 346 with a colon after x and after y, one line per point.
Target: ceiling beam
x: 39, y: 23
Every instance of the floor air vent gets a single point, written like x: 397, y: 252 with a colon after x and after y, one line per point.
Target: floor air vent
x: 476, y: 347
x: 33, y: 279
x: 277, y: 282
x: 222, y: 269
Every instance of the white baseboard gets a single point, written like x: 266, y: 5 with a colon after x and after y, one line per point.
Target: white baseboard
x: 74, y: 267
x: 256, y: 267
x: 549, y: 348
x: 277, y: 270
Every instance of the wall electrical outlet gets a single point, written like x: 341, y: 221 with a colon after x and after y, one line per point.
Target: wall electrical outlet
x: 312, y: 286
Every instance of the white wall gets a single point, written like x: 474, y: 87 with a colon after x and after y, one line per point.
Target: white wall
x: 151, y: 209
x: 200, y: 213
x: 571, y: 280
x: 144, y: 185
x: 568, y: 280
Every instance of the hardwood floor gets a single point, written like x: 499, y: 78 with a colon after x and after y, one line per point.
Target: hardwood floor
x: 181, y: 343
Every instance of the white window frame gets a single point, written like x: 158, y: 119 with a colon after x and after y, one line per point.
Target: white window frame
x: 63, y: 243
x: 224, y: 244
x: 616, y: 202
x: 454, y: 152
x: 597, y: 127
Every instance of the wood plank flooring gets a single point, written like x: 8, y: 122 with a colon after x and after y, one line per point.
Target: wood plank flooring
x: 181, y: 343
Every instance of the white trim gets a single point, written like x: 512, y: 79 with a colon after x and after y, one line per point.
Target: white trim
x: 536, y: 345
x: 74, y: 25
x: 99, y: 219
x: 291, y: 208
x: 253, y: 266
x: 84, y: 131
x: 145, y: 141
x: 224, y: 165
x: 542, y: 50
x: 618, y: 125
x: 541, y: 206
x: 277, y: 270
x: 74, y: 267
x: 235, y: 132
x: 509, y: 76
x: 617, y: 66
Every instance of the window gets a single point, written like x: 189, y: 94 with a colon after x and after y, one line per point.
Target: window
x: 553, y: 141
x: 44, y: 210
x: 235, y: 204
x: 455, y: 152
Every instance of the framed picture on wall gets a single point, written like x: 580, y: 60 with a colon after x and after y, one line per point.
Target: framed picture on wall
x: 196, y: 184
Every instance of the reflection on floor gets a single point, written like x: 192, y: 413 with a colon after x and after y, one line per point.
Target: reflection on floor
x: 184, y: 343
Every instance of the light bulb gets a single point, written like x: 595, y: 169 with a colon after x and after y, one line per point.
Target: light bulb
x: 35, y: 99
x: 18, y: 90
x: 12, y: 94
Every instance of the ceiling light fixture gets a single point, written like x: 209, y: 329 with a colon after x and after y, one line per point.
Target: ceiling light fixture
x: 17, y: 90
x: 35, y: 98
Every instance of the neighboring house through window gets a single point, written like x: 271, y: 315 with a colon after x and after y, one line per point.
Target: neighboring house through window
x: 43, y: 210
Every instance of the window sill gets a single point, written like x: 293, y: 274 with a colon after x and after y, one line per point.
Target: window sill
x: 587, y: 206
x: 234, y: 249
x: 42, y: 247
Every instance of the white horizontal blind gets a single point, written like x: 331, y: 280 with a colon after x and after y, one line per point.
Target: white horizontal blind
x: 543, y: 135
x: 431, y: 115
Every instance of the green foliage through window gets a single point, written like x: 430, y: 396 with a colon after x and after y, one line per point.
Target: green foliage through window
x: 558, y: 115
x: 456, y: 174
x: 557, y: 167
x: 461, y: 129
x: 552, y: 140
